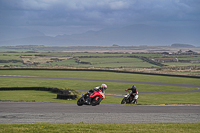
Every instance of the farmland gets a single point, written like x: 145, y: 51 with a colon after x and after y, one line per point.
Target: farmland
x: 150, y: 59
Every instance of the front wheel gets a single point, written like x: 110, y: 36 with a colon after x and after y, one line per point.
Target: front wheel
x: 95, y: 101
x: 123, y: 100
x: 80, y: 101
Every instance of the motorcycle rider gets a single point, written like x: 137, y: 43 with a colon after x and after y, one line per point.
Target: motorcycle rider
x: 102, y: 88
x: 133, y: 92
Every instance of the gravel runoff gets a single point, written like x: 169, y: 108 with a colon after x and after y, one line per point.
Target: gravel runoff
x: 11, y: 118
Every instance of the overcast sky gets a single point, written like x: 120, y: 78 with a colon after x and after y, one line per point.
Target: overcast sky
x: 53, y: 17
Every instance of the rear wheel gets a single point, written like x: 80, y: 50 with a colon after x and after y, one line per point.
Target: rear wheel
x: 96, y: 101
x: 80, y: 102
x: 123, y: 100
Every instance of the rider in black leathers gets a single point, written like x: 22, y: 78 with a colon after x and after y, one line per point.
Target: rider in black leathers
x: 133, y: 93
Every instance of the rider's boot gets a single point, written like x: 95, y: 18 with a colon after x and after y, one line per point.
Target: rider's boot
x: 134, y: 101
x: 88, y: 100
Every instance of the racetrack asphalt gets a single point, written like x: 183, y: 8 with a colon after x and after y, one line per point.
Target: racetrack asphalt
x: 32, y: 112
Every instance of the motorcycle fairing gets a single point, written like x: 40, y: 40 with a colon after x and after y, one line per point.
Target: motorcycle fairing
x: 95, y: 93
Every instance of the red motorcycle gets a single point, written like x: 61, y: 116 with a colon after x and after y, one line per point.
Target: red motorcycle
x: 91, y: 98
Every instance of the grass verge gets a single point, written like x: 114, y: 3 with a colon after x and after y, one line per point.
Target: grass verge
x: 102, y: 75
x: 100, y: 128
x: 144, y: 98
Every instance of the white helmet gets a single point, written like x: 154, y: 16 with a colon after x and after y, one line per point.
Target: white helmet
x: 104, y: 86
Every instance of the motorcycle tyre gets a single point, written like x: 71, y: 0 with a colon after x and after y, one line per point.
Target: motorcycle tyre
x: 123, y: 100
x: 80, y: 101
x: 94, y: 102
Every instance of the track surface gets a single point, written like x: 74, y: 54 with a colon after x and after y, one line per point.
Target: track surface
x: 23, y: 112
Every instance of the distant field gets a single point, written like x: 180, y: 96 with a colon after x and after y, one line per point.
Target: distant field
x: 10, y: 60
x: 180, y: 64
x: 125, y: 58
x: 70, y: 59
x: 69, y: 62
x: 102, y: 60
x: 105, y: 62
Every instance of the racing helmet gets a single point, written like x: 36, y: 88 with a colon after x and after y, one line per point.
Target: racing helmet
x: 104, y: 86
x: 133, y: 86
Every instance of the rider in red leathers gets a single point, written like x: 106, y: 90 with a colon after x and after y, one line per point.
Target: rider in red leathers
x: 102, y: 88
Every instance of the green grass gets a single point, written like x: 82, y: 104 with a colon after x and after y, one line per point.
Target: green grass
x: 180, y: 64
x: 70, y: 62
x: 144, y: 98
x: 12, y: 64
x: 101, y: 128
x: 116, y: 62
x: 10, y: 58
x: 192, y: 57
x: 169, y: 98
x: 102, y: 75
x: 108, y: 60
x: 100, y: 54
x: 104, y: 62
x: 44, y: 96
x: 56, y: 54
x: 119, y: 65
x: 32, y: 96
x: 84, y: 85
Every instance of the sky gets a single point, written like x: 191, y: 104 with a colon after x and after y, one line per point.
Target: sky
x: 57, y: 17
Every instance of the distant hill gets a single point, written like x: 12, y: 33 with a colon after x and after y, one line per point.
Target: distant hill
x: 182, y: 45
x: 133, y: 35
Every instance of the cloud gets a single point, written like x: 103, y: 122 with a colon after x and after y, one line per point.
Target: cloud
x: 117, y: 5
x: 96, y: 14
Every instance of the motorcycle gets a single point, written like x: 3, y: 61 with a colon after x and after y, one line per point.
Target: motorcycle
x: 128, y: 99
x: 94, y: 98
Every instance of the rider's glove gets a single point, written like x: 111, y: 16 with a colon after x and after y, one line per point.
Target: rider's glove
x: 126, y: 89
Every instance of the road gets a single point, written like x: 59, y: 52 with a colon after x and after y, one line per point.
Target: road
x: 25, y: 112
